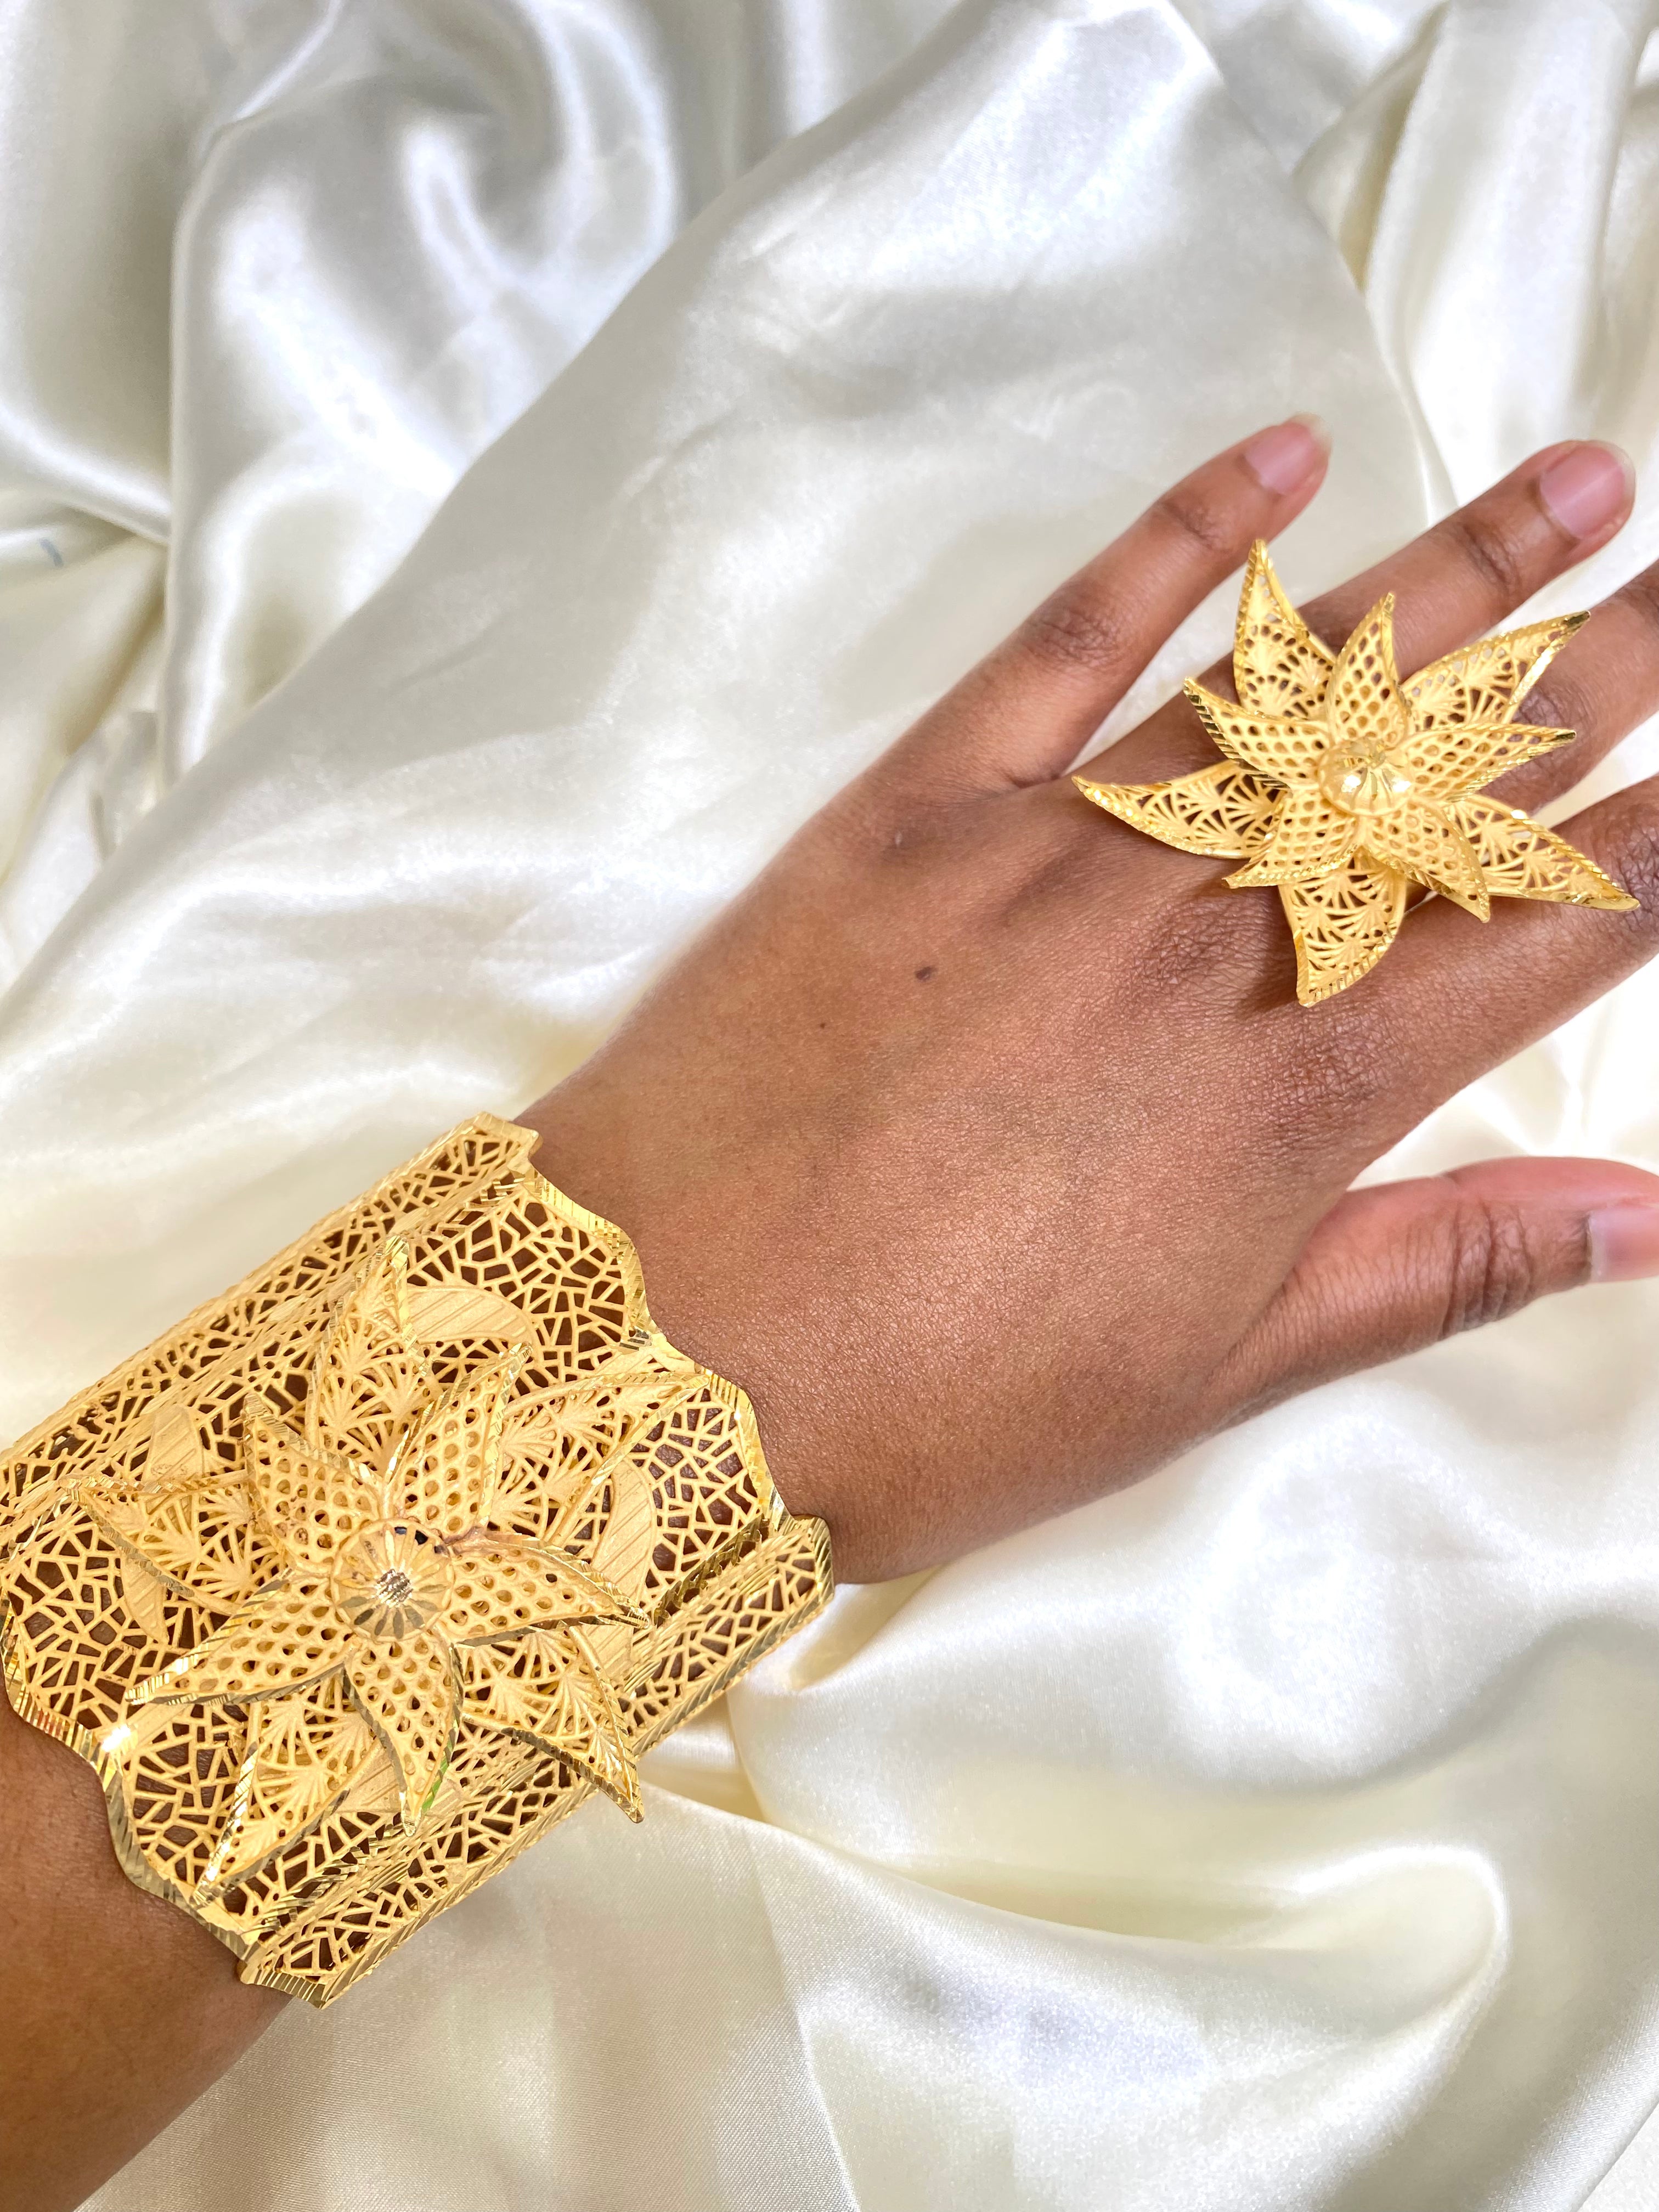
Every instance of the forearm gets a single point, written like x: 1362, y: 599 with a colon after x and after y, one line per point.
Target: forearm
x: 118, y: 2010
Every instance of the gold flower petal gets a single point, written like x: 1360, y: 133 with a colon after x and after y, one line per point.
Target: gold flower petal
x: 1309, y: 838
x: 1364, y: 703
x: 1485, y: 681
x: 186, y: 1518
x: 409, y: 1693
x: 1223, y: 811
x: 446, y: 1471
x: 370, y: 1377
x: 145, y: 1594
x: 543, y: 1686
x: 1279, y: 666
x: 305, y: 1751
x: 1446, y: 763
x: 1343, y: 924
x: 312, y: 1502
x: 1520, y: 858
x: 1428, y: 846
x: 504, y: 1592
x: 287, y: 1635
x: 1289, y: 752
x: 200, y: 1537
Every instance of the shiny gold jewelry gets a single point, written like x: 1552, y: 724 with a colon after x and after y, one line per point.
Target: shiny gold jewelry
x: 370, y: 1571
x: 1343, y: 787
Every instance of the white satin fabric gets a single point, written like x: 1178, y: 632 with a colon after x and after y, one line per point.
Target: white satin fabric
x: 567, y: 466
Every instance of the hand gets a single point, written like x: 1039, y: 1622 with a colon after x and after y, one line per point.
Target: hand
x: 983, y: 1139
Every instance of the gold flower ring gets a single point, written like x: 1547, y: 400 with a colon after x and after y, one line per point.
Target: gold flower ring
x: 1343, y: 787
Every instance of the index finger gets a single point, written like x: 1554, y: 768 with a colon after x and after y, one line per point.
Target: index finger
x: 1023, y: 714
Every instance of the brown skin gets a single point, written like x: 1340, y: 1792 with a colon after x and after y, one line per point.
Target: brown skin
x: 984, y: 1142
x: 118, y: 2011
x: 983, y: 1138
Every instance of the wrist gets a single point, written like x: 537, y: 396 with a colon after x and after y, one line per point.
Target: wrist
x: 719, y: 1290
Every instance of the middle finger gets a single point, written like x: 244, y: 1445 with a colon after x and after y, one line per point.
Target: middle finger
x: 1457, y: 580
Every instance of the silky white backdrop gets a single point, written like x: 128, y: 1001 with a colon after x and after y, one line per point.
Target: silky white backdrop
x: 1284, y: 1833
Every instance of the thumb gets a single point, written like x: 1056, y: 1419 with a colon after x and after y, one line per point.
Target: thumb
x: 1402, y: 1265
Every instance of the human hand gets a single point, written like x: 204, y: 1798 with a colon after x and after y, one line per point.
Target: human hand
x: 983, y: 1139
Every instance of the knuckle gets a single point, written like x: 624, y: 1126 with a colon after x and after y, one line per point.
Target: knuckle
x: 1210, y: 527
x: 864, y: 812
x: 1495, y: 553
x: 1546, y: 707
x: 1631, y: 853
x: 1641, y: 596
x: 1192, y: 942
x: 1076, y: 630
x: 1337, y: 1077
x: 1492, y: 1269
x: 882, y: 815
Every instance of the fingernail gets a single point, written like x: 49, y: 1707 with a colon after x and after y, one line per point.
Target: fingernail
x: 1283, y: 458
x: 1587, y: 488
x: 1624, y: 1243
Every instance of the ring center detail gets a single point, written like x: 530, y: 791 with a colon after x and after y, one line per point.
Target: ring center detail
x: 1357, y: 782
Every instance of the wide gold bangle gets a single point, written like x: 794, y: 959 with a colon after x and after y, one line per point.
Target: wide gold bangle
x: 370, y: 1571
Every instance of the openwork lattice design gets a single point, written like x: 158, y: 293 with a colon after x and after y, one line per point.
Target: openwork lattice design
x: 1343, y: 787
x: 1225, y: 810
x: 370, y: 1571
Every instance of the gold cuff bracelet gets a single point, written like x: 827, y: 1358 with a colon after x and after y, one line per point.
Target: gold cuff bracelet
x: 371, y: 1571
